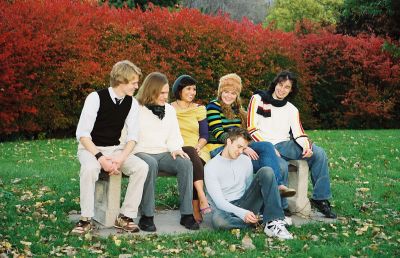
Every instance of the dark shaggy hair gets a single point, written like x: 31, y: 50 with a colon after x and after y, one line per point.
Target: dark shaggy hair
x: 282, y: 77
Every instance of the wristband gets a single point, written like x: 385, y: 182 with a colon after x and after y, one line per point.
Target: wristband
x: 98, y: 155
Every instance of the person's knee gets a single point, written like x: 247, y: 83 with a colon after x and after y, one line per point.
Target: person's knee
x: 142, y: 168
x: 319, y: 153
x: 266, y: 173
x: 184, y: 164
x: 90, y: 171
x: 190, y: 151
x: 219, y: 222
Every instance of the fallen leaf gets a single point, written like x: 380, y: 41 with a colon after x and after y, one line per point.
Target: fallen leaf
x: 247, y: 243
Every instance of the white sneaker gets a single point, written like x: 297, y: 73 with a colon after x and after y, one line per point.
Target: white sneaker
x: 288, y: 221
x: 277, y: 229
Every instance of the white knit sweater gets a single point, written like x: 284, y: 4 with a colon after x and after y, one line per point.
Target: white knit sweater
x: 277, y: 126
x: 158, y: 136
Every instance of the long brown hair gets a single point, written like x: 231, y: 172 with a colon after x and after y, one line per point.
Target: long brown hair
x: 151, y: 88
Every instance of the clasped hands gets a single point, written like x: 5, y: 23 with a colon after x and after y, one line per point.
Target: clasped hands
x: 111, y: 165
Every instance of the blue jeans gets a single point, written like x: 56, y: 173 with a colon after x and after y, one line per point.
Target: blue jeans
x: 263, y: 191
x: 318, y: 164
x: 266, y: 158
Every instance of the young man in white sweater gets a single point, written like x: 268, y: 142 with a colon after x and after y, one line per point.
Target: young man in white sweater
x: 236, y: 197
x: 272, y: 118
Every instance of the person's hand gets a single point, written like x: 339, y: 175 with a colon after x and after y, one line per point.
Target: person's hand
x: 307, y: 153
x: 250, y: 218
x: 107, y: 164
x: 180, y: 153
x: 118, y: 160
x: 251, y: 153
x: 277, y: 153
x: 198, y: 148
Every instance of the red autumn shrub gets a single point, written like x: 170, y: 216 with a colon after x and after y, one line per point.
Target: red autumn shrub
x: 53, y: 53
x: 355, y: 83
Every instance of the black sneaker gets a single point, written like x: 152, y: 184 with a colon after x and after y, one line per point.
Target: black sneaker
x: 189, y: 222
x: 324, y: 207
x: 147, y: 224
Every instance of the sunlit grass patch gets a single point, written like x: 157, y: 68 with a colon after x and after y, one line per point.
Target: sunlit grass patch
x: 39, y: 186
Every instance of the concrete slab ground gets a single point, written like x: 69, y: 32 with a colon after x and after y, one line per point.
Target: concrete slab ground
x: 167, y: 222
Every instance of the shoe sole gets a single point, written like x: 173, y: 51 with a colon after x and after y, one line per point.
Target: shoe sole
x: 135, y: 230
x: 270, y: 234
x: 288, y: 193
x: 196, y: 228
x: 148, y: 230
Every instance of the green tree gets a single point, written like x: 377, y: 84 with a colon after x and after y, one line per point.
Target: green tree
x: 371, y: 16
x: 284, y: 14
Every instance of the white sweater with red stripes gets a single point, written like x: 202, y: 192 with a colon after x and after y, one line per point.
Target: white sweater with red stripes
x: 266, y: 122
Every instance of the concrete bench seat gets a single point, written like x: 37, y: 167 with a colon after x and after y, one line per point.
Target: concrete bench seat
x: 108, y: 193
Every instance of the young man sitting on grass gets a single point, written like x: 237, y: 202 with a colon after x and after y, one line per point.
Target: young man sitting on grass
x: 237, y: 196
x: 103, y: 116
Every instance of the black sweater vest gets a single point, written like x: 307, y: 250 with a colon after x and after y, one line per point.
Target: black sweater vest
x: 110, y: 119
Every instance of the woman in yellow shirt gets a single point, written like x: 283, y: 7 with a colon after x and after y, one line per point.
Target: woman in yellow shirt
x: 194, y: 129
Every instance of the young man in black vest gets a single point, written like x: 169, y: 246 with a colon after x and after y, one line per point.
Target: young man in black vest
x: 103, y: 116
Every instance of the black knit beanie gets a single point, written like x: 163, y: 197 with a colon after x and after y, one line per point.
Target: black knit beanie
x: 180, y: 83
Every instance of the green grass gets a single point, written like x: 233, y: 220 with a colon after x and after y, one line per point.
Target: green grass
x: 39, y: 185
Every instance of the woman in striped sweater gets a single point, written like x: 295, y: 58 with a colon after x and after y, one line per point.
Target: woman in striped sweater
x: 226, y: 112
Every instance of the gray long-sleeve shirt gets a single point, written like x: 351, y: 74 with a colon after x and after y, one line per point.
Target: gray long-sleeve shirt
x: 227, y: 180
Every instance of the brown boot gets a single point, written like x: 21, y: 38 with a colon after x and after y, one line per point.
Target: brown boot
x: 196, y: 211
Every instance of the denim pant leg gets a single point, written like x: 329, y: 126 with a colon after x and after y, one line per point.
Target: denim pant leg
x: 318, y: 164
x: 147, y: 204
x: 183, y: 169
x: 263, y: 191
x: 226, y: 220
x: 267, y: 158
x: 283, y: 164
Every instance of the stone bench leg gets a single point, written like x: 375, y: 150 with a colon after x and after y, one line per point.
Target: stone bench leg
x: 108, y: 196
x: 298, y: 180
x: 107, y: 199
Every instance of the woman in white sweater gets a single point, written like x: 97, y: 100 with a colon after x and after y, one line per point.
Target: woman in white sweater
x: 160, y: 146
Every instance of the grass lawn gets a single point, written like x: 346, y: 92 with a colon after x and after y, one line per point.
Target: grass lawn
x: 39, y: 186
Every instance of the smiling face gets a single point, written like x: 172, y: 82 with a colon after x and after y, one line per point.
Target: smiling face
x: 163, y: 96
x: 282, y: 90
x: 228, y: 96
x: 188, y: 93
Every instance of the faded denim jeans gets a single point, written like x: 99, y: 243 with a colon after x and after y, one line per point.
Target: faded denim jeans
x: 263, y: 191
x: 318, y: 164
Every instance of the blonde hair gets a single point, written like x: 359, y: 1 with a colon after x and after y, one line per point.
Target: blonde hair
x: 151, y: 88
x: 232, y: 82
x: 123, y: 72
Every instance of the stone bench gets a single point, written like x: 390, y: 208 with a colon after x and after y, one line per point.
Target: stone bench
x: 108, y: 193
x: 107, y: 197
x: 298, y: 180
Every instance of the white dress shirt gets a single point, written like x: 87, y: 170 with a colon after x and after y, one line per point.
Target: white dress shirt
x: 89, y: 115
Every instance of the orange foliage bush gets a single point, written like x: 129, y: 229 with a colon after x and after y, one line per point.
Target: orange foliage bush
x: 53, y: 53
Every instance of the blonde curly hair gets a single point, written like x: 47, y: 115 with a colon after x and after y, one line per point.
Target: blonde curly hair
x: 232, y: 82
